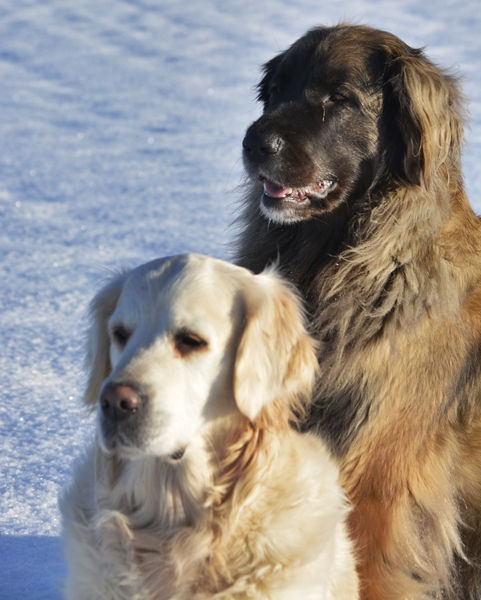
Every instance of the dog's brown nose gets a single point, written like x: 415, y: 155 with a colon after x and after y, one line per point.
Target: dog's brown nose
x: 119, y: 401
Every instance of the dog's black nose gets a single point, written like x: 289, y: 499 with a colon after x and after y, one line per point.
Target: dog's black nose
x: 258, y: 146
x: 119, y: 401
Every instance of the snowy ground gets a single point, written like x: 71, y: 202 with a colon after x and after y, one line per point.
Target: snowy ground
x: 121, y: 125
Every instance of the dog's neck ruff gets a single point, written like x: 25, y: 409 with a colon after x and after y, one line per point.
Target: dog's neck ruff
x: 155, y: 491
x: 173, y: 494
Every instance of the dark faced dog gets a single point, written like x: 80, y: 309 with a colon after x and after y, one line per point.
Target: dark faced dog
x: 355, y: 188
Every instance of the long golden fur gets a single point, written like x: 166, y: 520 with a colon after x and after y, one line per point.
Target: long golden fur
x: 196, y: 486
x: 356, y: 190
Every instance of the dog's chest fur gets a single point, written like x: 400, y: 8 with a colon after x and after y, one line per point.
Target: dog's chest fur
x: 183, y: 532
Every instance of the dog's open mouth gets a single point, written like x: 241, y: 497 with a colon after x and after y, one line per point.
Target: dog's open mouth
x: 286, y: 205
x: 273, y: 193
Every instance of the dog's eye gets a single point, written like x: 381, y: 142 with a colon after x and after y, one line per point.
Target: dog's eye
x: 338, y: 98
x: 187, y: 342
x: 274, y: 92
x: 120, y: 335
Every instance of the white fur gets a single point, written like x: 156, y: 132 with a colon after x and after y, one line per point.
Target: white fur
x: 253, y: 509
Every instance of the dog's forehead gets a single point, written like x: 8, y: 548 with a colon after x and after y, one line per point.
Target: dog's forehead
x: 147, y: 281
x: 155, y: 275
x: 333, y: 56
x: 206, y: 287
x: 191, y: 283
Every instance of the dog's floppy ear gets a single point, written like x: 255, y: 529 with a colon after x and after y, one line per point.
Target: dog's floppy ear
x: 97, y: 362
x: 424, y: 107
x: 276, y: 357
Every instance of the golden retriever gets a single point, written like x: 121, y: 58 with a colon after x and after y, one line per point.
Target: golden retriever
x: 196, y: 486
x: 355, y: 188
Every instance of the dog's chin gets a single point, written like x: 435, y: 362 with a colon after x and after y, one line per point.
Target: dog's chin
x: 287, y: 205
x: 133, y: 452
x: 283, y: 212
x: 121, y: 448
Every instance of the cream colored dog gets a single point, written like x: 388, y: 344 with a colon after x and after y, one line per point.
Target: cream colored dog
x: 196, y: 486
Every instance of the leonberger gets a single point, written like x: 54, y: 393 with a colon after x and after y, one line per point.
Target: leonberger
x: 355, y: 188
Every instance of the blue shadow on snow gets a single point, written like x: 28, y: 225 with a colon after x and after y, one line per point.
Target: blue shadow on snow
x: 33, y: 568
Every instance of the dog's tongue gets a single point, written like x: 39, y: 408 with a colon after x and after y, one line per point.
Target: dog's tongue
x: 276, y: 191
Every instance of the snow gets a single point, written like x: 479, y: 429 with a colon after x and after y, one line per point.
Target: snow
x: 121, y: 126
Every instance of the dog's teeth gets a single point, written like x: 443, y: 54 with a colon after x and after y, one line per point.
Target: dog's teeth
x: 299, y: 195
